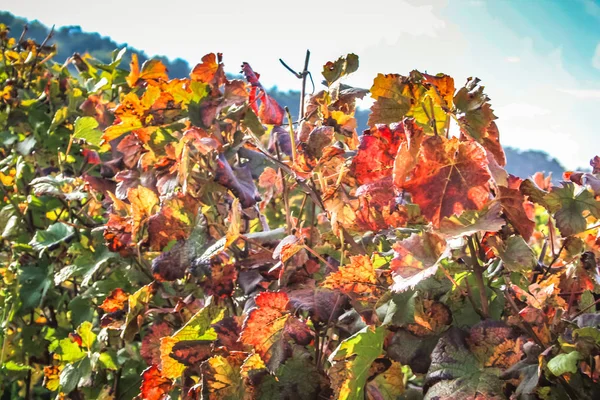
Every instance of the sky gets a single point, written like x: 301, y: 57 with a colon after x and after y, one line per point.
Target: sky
x: 539, y: 60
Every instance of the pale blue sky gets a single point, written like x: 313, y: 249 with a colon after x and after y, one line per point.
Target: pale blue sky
x: 539, y: 59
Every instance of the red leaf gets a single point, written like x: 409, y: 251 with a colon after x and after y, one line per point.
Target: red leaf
x: 450, y: 177
x: 513, y: 203
x: 154, y: 385
x: 376, y: 152
x: 150, y: 350
x: 270, y: 112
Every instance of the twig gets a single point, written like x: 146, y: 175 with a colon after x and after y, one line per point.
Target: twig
x: 301, y: 75
x: 292, y: 135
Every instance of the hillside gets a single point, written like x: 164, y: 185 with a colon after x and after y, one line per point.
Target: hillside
x: 72, y: 39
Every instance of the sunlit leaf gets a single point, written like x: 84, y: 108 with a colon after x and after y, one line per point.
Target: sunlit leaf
x: 450, y: 177
x: 416, y: 259
x: 351, y: 362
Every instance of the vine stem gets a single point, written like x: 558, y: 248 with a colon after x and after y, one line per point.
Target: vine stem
x: 292, y: 135
x: 304, y: 74
x: 568, y: 388
x: 478, y: 271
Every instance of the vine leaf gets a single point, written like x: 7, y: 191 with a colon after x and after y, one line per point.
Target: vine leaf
x: 137, y: 305
x: 388, y: 385
x: 376, y: 153
x: 270, y: 326
x: 392, y: 99
x: 269, y: 111
x: 51, y: 237
x: 416, y: 259
x: 210, y: 70
x: 332, y: 71
x: 455, y: 373
x: 222, y: 378
x: 567, y: 204
x: 450, y: 177
x: 469, y: 222
x: 351, y: 362
x: 357, y: 279
x: 198, y: 328
x: 563, y: 363
x: 515, y: 253
x: 150, y: 350
x: 115, y: 301
x: 513, y: 203
x: 154, y: 385
x: 152, y: 71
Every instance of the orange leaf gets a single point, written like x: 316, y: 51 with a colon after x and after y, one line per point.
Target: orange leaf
x: 174, y: 221
x: 408, y: 152
x: 444, y: 85
x: 377, y: 207
x: 134, y: 75
x: 143, y: 201
x: 357, y: 279
x: 450, y: 177
x: 154, y: 385
x: 210, y: 70
x: 115, y: 301
x: 269, y: 327
x: 152, y: 72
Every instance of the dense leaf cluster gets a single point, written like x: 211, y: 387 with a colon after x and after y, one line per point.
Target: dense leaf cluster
x: 189, y: 238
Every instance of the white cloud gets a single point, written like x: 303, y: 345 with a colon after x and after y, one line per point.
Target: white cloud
x: 596, y: 57
x: 513, y: 59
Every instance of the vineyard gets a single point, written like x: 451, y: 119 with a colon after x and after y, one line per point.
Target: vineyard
x: 190, y: 238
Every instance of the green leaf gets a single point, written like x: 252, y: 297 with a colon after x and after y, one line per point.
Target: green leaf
x: 568, y: 207
x: 352, y: 360
x: 298, y: 378
x: 85, y: 128
x: 35, y: 282
x: 401, y: 309
x: 137, y: 305
x: 73, y: 374
x: 13, y: 369
x: 69, y: 351
x: 587, y: 300
x: 252, y: 122
x: 88, y: 338
x: 516, y: 254
x: 332, y: 71
x: 81, y: 309
x: 473, y: 221
x: 60, y: 116
x: 54, y: 235
x: 109, y: 360
x: 564, y: 363
x: 455, y: 372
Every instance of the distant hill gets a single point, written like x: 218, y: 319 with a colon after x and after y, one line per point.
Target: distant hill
x: 72, y: 39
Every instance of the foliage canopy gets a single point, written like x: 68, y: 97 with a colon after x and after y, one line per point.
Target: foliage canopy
x: 187, y: 238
